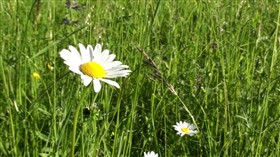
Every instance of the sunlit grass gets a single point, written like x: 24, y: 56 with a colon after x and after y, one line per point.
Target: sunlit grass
x: 210, y: 63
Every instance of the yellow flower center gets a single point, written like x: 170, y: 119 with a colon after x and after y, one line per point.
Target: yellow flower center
x: 93, y: 70
x: 186, y: 130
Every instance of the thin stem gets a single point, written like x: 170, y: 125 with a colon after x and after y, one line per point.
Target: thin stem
x: 186, y: 108
x: 85, y: 93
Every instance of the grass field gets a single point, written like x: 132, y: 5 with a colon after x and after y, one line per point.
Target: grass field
x: 210, y: 63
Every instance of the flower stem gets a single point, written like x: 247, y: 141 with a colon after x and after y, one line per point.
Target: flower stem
x: 85, y: 93
x: 186, y: 108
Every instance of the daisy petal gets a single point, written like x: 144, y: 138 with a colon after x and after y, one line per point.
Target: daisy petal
x: 115, y: 74
x: 75, y: 53
x: 96, y: 85
x: 75, y: 69
x: 112, y: 64
x: 86, y: 79
x: 85, y: 54
x: 70, y: 58
x: 97, y: 51
x: 110, y: 58
x: 65, y: 54
x: 90, y: 50
x: 110, y: 82
x: 103, y: 57
x: 118, y: 68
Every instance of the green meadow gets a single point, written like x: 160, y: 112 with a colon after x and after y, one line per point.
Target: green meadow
x: 211, y: 63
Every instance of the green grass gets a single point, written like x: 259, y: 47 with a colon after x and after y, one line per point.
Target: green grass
x: 220, y: 57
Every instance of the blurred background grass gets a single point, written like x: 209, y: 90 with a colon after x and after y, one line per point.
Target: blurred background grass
x: 220, y: 57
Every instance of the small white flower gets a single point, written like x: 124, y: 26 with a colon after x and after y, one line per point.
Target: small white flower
x: 150, y: 154
x: 185, y: 128
x: 94, y: 65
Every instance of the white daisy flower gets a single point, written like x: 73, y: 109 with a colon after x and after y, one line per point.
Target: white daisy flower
x: 94, y: 65
x: 185, y: 128
x: 150, y: 154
